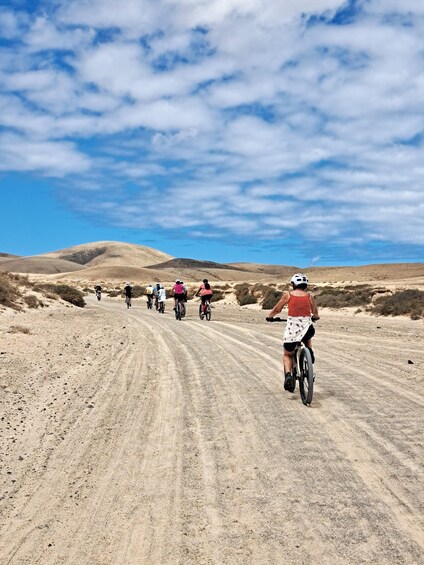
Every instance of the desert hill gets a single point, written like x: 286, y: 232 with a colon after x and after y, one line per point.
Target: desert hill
x: 110, y: 253
x: 117, y: 262
x: 37, y: 265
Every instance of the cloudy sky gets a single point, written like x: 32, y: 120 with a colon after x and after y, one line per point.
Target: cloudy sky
x: 275, y: 131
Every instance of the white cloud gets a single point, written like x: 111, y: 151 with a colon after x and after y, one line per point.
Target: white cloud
x: 53, y: 159
x: 283, y: 123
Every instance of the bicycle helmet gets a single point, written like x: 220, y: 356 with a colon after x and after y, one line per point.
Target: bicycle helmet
x: 298, y: 279
x: 178, y: 281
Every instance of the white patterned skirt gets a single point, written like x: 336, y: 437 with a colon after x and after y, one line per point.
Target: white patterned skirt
x: 296, y: 328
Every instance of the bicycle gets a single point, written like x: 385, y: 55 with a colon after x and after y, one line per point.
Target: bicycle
x: 205, y: 310
x: 161, y: 307
x: 128, y: 301
x: 149, y: 302
x: 99, y: 294
x: 303, y: 370
x: 179, y: 310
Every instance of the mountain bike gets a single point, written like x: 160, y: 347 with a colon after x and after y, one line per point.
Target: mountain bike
x: 179, y: 309
x: 149, y: 302
x: 98, y: 294
x: 303, y: 369
x: 162, y: 307
x: 205, y: 310
x: 128, y: 301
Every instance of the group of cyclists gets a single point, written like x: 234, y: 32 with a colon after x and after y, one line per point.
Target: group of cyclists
x: 156, y: 294
x: 302, y: 312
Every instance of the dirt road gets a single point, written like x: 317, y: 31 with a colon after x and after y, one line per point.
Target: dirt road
x: 129, y: 438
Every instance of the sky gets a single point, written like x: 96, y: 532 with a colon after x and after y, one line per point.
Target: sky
x: 226, y: 130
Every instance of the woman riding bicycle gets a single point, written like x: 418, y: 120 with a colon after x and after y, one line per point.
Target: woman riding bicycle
x: 179, y: 292
x: 205, y: 292
x: 301, y: 310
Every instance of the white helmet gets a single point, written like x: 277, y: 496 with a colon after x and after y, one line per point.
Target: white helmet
x: 298, y: 279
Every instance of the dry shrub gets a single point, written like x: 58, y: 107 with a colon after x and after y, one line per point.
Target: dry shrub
x: 19, y: 330
x: 332, y: 297
x: 8, y: 291
x: 217, y: 295
x: 114, y: 293
x: 138, y: 291
x: 65, y: 292
x: 402, y: 303
x: 244, y: 295
x: 88, y: 290
x: 191, y: 292
x: 271, y: 297
x: 32, y: 301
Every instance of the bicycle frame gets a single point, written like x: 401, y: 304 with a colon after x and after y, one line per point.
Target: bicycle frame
x: 179, y: 309
x: 302, y: 369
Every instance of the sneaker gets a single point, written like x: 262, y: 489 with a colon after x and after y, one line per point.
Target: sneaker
x: 288, y: 383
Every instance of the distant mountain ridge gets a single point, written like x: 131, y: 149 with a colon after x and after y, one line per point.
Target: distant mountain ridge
x: 117, y: 261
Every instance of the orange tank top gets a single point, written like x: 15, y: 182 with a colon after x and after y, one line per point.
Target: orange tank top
x: 299, y: 305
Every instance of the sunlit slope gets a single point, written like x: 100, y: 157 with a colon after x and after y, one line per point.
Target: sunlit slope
x: 110, y: 253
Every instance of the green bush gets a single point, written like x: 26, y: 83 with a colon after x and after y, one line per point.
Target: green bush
x: 402, y: 303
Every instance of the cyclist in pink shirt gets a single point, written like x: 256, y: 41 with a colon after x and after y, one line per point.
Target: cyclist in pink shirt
x: 205, y: 292
x: 179, y: 291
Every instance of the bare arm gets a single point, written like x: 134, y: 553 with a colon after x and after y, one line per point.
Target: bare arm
x: 313, y: 306
x: 280, y: 305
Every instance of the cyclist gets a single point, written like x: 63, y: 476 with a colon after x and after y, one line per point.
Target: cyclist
x: 98, y: 290
x: 179, y: 292
x: 205, y: 293
x: 156, y: 293
x: 301, y: 310
x: 149, y: 293
x: 128, y: 293
x: 161, y: 296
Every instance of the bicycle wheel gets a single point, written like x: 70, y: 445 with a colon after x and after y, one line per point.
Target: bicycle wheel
x: 178, y: 311
x: 208, y: 311
x: 306, y: 377
x: 201, y: 312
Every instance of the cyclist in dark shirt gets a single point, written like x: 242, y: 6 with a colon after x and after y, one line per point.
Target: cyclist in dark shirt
x: 128, y: 293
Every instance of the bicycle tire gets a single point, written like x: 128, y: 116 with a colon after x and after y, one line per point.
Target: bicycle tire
x: 208, y: 312
x: 177, y: 311
x: 306, y: 377
x: 201, y: 315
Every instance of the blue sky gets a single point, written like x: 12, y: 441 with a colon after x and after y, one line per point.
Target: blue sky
x: 229, y: 130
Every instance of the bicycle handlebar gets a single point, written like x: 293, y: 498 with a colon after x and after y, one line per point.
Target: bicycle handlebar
x: 284, y: 319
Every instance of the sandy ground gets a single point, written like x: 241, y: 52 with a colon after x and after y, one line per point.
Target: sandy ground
x: 129, y: 438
